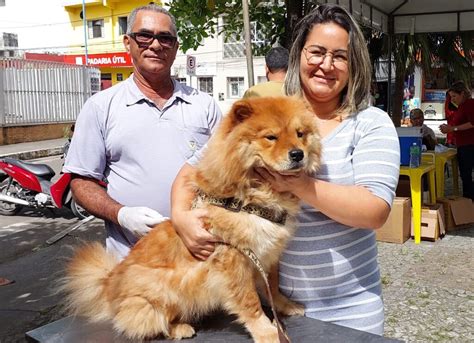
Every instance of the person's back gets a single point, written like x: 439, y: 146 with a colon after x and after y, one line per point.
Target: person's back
x: 269, y: 88
x: 276, y: 65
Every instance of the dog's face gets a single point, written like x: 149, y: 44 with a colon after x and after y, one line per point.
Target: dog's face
x: 279, y: 134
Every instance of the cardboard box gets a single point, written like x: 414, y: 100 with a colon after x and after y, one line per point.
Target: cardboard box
x: 457, y: 210
x: 403, y: 188
x: 397, y: 227
x: 432, y: 222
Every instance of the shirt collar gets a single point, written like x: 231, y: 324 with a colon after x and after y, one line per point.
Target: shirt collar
x: 134, y: 94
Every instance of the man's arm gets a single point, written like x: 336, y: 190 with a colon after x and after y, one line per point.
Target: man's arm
x: 94, y: 198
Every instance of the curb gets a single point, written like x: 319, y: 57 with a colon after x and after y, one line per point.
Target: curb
x: 29, y: 155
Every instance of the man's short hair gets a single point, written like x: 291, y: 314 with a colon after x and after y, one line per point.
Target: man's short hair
x: 152, y: 7
x: 416, y: 113
x: 277, y: 59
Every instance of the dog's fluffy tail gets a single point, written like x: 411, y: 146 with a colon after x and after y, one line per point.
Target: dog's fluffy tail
x: 85, y: 282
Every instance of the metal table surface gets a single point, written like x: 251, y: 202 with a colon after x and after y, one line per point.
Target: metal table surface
x: 219, y: 328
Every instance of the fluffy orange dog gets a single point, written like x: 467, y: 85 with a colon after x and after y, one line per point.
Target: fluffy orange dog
x: 160, y: 288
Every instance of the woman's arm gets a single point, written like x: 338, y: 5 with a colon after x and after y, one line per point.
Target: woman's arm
x: 187, y: 222
x: 451, y: 128
x: 352, y: 205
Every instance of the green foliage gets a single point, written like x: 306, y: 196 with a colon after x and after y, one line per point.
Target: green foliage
x: 198, y: 19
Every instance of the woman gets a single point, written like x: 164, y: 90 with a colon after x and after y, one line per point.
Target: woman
x: 463, y: 129
x: 331, y: 264
x: 449, y: 109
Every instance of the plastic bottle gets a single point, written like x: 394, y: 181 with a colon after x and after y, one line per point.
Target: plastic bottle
x: 415, y: 155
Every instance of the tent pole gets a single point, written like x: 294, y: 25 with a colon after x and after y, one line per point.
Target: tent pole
x: 389, y: 79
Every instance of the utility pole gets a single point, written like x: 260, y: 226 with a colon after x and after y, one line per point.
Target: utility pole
x: 84, y: 23
x: 248, y: 43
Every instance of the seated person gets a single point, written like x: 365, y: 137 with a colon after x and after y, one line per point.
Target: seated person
x: 417, y: 118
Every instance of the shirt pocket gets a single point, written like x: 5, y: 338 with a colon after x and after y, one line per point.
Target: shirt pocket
x: 194, y: 139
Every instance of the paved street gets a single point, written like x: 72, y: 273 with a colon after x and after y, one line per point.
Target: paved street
x: 33, y: 265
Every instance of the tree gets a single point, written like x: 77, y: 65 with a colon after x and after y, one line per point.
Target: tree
x: 452, y: 51
x: 198, y: 19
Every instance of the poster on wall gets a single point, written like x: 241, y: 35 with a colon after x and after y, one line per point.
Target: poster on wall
x: 434, y: 95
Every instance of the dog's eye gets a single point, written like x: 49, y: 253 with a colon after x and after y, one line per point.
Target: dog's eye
x: 271, y: 137
x: 299, y: 134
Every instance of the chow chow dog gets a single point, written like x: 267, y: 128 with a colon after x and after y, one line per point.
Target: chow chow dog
x: 160, y: 289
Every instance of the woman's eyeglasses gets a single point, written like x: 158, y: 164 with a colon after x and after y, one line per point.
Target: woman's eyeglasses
x: 315, y: 55
x: 145, y: 39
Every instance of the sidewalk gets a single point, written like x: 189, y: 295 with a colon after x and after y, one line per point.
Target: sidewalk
x: 30, y: 150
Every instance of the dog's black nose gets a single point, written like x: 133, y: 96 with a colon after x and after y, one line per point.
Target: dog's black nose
x: 296, y: 155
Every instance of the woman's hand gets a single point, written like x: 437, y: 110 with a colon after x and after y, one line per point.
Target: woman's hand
x: 444, y: 128
x: 189, y: 226
x: 285, y: 183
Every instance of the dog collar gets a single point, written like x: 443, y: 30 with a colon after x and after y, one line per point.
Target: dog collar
x: 235, y: 205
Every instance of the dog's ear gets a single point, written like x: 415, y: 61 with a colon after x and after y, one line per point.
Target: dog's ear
x: 241, y: 110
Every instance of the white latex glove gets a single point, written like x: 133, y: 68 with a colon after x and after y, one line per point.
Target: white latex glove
x: 139, y: 220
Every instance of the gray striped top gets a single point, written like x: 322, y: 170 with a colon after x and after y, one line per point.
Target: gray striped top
x: 331, y: 268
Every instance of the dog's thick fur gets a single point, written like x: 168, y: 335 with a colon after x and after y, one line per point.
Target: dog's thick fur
x: 159, y: 288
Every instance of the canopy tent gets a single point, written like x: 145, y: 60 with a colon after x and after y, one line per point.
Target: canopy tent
x: 411, y: 16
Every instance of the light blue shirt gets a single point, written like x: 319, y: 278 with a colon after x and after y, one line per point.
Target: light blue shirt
x: 123, y: 136
x: 332, y: 268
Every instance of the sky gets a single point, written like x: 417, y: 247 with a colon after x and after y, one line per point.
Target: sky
x: 39, y: 23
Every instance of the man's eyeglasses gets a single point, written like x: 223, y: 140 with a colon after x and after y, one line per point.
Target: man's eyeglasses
x: 315, y: 55
x: 145, y: 39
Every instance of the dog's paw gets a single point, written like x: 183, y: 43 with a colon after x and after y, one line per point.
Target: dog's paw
x: 269, y: 336
x: 180, y: 331
x: 292, y: 309
x: 288, y: 307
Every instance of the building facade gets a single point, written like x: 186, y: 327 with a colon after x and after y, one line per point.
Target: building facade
x: 220, y: 70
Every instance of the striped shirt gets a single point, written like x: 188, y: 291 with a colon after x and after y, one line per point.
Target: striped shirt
x: 332, y: 268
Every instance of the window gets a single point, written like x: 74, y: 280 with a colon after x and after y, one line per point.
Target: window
x: 95, y: 28
x: 234, y: 47
x: 262, y: 79
x: 122, y: 22
x: 235, y: 87
x: 205, y: 85
x: 181, y: 80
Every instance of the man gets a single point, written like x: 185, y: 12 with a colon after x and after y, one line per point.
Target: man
x: 417, y: 118
x: 276, y: 65
x: 138, y: 134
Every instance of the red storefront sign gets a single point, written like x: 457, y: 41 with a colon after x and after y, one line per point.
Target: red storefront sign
x: 113, y: 59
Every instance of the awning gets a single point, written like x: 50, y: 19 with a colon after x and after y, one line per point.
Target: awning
x: 410, y: 16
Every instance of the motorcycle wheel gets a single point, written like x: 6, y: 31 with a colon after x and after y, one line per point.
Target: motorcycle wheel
x: 7, y: 208
x: 78, y: 210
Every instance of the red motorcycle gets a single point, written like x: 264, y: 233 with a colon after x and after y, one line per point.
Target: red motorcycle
x: 29, y: 185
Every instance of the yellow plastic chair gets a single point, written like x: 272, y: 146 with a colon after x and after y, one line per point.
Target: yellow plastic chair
x: 441, y: 159
x: 416, y: 189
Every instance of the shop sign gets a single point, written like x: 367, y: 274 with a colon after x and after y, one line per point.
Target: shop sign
x: 119, y: 59
x: 434, y: 95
